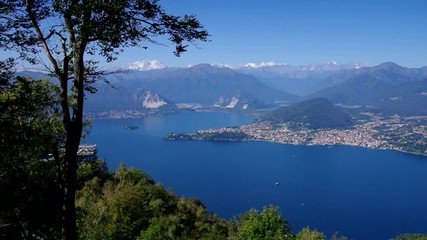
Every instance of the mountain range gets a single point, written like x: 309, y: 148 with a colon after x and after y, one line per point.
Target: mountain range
x: 201, y: 85
x: 390, y: 88
x: 387, y: 88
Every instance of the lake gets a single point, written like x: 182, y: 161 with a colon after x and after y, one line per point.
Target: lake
x: 357, y: 192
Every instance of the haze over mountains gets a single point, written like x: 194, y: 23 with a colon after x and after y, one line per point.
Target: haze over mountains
x: 198, y: 86
x: 300, y: 80
x: 387, y: 88
x: 391, y: 88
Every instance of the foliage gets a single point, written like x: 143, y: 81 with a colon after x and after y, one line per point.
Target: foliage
x: 269, y: 224
x: 96, y: 27
x: 190, y: 221
x: 6, y: 73
x: 340, y: 237
x: 88, y: 170
x: 131, y: 205
x: 67, y: 32
x: 29, y: 125
x: 411, y: 236
x: 307, y: 234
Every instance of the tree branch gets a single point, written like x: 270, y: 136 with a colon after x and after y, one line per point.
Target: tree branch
x: 32, y: 17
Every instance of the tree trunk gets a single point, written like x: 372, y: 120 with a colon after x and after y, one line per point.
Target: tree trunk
x: 74, y: 129
x: 69, y: 227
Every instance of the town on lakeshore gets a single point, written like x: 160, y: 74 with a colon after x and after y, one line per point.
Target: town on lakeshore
x: 407, y: 134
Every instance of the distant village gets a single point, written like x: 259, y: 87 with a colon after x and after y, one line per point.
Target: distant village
x: 396, y: 133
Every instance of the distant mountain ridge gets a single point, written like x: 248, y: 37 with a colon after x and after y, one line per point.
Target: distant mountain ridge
x: 307, y: 80
x: 206, y: 84
x: 390, y: 88
x: 387, y: 88
x: 201, y: 85
x: 301, y: 80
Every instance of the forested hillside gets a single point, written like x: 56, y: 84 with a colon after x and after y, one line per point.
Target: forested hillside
x: 314, y: 113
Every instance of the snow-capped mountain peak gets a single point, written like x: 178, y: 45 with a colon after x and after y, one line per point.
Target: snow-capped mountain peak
x: 223, y: 65
x: 332, y: 62
x: 262, y: 64
x: 146, y: 65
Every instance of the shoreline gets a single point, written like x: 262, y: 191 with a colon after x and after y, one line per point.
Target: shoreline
x: 134, y: 114
x: 371, y: 135
x: 377, y: 133
x: 306, y: 145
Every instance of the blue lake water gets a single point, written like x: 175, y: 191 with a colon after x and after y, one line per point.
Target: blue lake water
x: 360, y: 193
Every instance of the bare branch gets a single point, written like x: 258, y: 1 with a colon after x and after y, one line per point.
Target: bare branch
x: 36, y: 26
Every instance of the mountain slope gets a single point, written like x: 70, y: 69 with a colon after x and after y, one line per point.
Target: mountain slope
x: 314, y: 113
x: 306, y: 80
x: 202, y: 85
x: 205, y: 84
x: 121, y: 98
x: 390, y: 88
x: 409, y: 99
x: 301, y: 80
x: 358, y: 90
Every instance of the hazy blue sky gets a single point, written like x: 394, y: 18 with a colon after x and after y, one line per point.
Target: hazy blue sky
x: 301, y: 32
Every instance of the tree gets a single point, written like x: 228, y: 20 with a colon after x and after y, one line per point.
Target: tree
x: 66, y: 31
x: 411, y: 236
x: 269, y: 224
x: 6, y: 73
x: 307, y: 234
x: 28, y: 126
x: 130, y: 205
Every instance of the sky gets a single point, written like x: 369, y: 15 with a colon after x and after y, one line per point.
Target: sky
x: 299, y: 32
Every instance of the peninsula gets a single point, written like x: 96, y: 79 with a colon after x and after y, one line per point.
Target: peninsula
x: 407, y: 134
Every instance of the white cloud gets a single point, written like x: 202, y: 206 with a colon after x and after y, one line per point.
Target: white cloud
x: 146, y: 65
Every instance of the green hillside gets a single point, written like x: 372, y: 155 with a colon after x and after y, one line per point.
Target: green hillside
x: 314, y: 113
